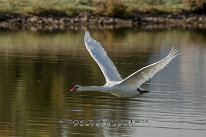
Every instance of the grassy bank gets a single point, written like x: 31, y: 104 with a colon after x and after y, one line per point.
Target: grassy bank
x: 111, y: 8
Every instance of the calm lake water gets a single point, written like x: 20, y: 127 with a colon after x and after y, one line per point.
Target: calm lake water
x: 38, y: 69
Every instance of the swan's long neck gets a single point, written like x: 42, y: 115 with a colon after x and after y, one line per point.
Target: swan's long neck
x: 93, y: 88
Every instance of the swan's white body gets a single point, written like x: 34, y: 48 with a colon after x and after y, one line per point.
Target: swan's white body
x: 114, y: 83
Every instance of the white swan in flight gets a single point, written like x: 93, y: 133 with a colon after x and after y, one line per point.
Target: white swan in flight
x: 115, y: 85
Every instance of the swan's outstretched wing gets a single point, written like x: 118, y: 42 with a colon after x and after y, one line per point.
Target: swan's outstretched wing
x: 100, y: 56
x: 144, y: 74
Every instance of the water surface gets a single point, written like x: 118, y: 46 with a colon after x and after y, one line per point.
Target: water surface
x: 37, y: 70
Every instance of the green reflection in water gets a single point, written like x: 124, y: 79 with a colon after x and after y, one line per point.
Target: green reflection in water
x: 38, y: 69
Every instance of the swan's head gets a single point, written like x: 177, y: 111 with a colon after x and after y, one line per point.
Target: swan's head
x: 76, y: 88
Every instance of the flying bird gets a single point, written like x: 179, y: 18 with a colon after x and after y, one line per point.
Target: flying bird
x: 128, y: 87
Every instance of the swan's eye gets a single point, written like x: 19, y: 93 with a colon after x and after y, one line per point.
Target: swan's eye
x: 76, y: 87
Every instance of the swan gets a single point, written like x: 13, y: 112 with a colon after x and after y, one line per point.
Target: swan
x: 128, y: 87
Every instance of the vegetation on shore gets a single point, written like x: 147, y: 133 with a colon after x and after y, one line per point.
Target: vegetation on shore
x: 111, y: 8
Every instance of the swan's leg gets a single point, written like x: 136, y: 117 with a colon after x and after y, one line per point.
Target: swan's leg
x: 141, y: 91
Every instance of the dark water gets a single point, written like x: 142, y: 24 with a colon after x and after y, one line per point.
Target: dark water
x: 37, y: 70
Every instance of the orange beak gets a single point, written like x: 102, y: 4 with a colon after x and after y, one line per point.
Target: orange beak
x: 73, y: 89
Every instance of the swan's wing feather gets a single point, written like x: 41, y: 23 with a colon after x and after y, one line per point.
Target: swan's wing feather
x: 139, y: 77
x: 100, y: 56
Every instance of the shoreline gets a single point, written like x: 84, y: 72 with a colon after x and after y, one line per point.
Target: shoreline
x: 44, y: 23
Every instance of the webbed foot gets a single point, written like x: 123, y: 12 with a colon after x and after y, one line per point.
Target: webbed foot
x: 141, y: 91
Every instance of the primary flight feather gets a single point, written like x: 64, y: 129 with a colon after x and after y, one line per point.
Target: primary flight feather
x: 115, y: 85
x: 100, y: 56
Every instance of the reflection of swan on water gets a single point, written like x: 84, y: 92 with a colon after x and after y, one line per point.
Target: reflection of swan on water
x: 115, y: 85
